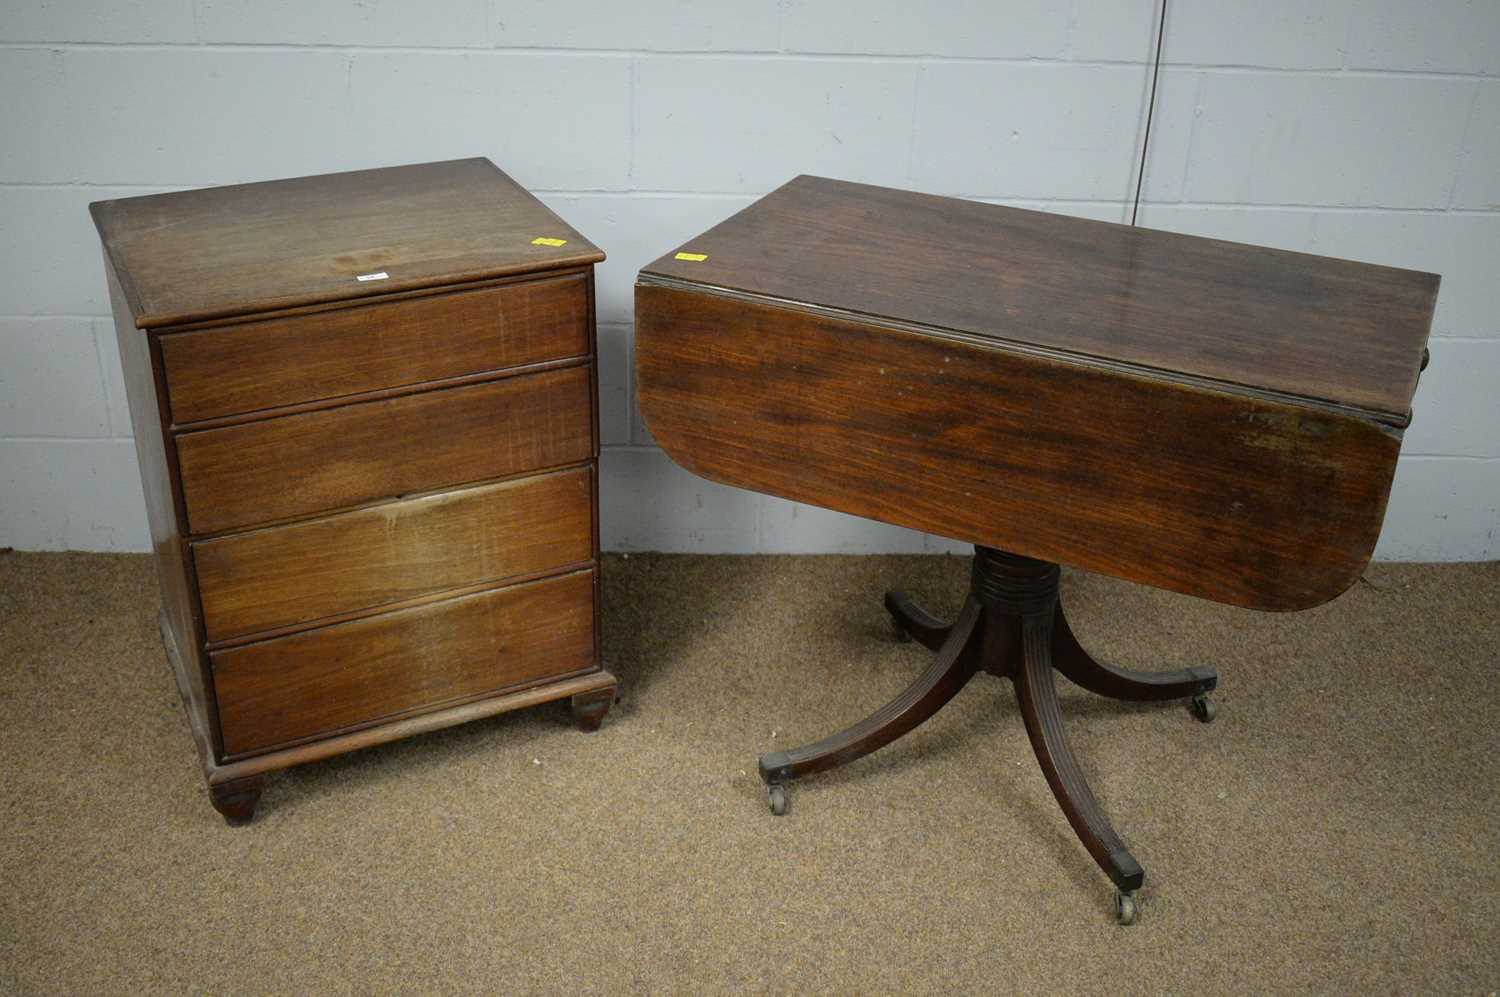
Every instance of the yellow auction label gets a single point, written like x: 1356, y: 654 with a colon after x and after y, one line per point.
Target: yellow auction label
x: 691, y: 257
x: 543, y: 240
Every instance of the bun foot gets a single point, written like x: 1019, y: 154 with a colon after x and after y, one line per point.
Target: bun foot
x: 236, y: 799
x: 589, y: 708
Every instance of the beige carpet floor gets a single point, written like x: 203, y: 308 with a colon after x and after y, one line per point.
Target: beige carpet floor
x: 1337, y: 830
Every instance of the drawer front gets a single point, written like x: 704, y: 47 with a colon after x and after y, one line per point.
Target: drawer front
x: 295, y: 465
x: 371, y: 557
x: 257, y: 365
x: 408, y: 660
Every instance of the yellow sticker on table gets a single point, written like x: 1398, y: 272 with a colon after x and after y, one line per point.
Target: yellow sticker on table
x: 691, y: 257
x: 543, y: 240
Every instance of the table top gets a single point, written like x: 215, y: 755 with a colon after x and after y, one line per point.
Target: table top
x: 1291, y: 326
x: 225, y: 251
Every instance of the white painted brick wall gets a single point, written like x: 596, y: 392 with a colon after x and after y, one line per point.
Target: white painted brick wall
x: 614, y: 385
x: 656, y: 26
x: 1368, y: 129
x: 735, y: 124
x: 1437, y: 36
x: 50, y: 360
x: 156, y: 22
x: 560, y: 120
x: 1053, y: 131
x: 1478, y: 186
x: 1367, y: 141
x: 431, y: 23
x: 977, y: 29
x: 1278, y: 34
x: 634, y: 229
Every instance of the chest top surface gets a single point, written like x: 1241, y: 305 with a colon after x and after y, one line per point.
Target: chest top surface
x: 1158, y: 303
x: 226, y: 251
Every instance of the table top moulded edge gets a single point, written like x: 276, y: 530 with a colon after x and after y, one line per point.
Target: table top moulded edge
x: 1417, y: 289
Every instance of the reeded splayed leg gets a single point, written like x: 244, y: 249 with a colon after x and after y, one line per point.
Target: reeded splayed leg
x: 912, y: 622
x: 1011, y: 626
x: 1069, y: 657
x: 949, y: 672
x: 1000, y: 639
x: 1037, y: 691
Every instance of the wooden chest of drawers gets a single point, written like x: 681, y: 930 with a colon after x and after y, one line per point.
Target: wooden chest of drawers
x: 364, y: 407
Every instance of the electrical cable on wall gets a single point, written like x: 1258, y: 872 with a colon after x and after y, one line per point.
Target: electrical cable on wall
x: 1140, y: 175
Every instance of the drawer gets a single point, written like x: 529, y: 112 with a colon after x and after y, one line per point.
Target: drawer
x: 405, y: 661
x: 295, y: 465
x: 283, y: 575
x: 256, y: 365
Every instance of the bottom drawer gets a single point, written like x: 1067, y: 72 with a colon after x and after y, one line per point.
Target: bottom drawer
x: 324, y: 680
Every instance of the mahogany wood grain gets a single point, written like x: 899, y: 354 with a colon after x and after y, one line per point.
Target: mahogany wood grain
x: 278, y: 691
x: 181, y: 616
x: 956, y: 662
x: 1244, y: 500
x: 1036, y: 693
x: 589, y: 708
x: 260, y: 472
x: 1216, y: 419
x: 219, y: 770
x: 224, y: 251
x: 418, y: 722
x: 235, y: 799
x: 267, y: 363
x: 292, y: 574
x: 1340, y: 332
x: 379, y: 479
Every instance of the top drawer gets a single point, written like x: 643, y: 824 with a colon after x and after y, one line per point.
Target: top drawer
x: 257, y: 365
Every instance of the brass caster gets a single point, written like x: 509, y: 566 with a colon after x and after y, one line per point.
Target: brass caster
x: 1125, y: 910
x: 1204, y: 708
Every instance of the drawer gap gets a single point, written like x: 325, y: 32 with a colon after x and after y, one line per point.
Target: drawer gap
x: 392, y: 718
x: 273, y: 633
x: 315, y: 683
x: 272, y: 524
x: 379, y: 394
x: 278, y: 470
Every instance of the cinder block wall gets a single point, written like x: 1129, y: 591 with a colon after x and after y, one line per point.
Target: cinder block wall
x: 1361, y: 128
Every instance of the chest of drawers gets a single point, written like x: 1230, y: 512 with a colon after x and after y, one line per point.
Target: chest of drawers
x: 364, y: 409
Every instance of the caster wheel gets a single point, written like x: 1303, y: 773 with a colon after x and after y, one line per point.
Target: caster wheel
x: 1125, y: 910
x: 1204, y: 708
x: 777, y: 796
x: 899, y: 633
